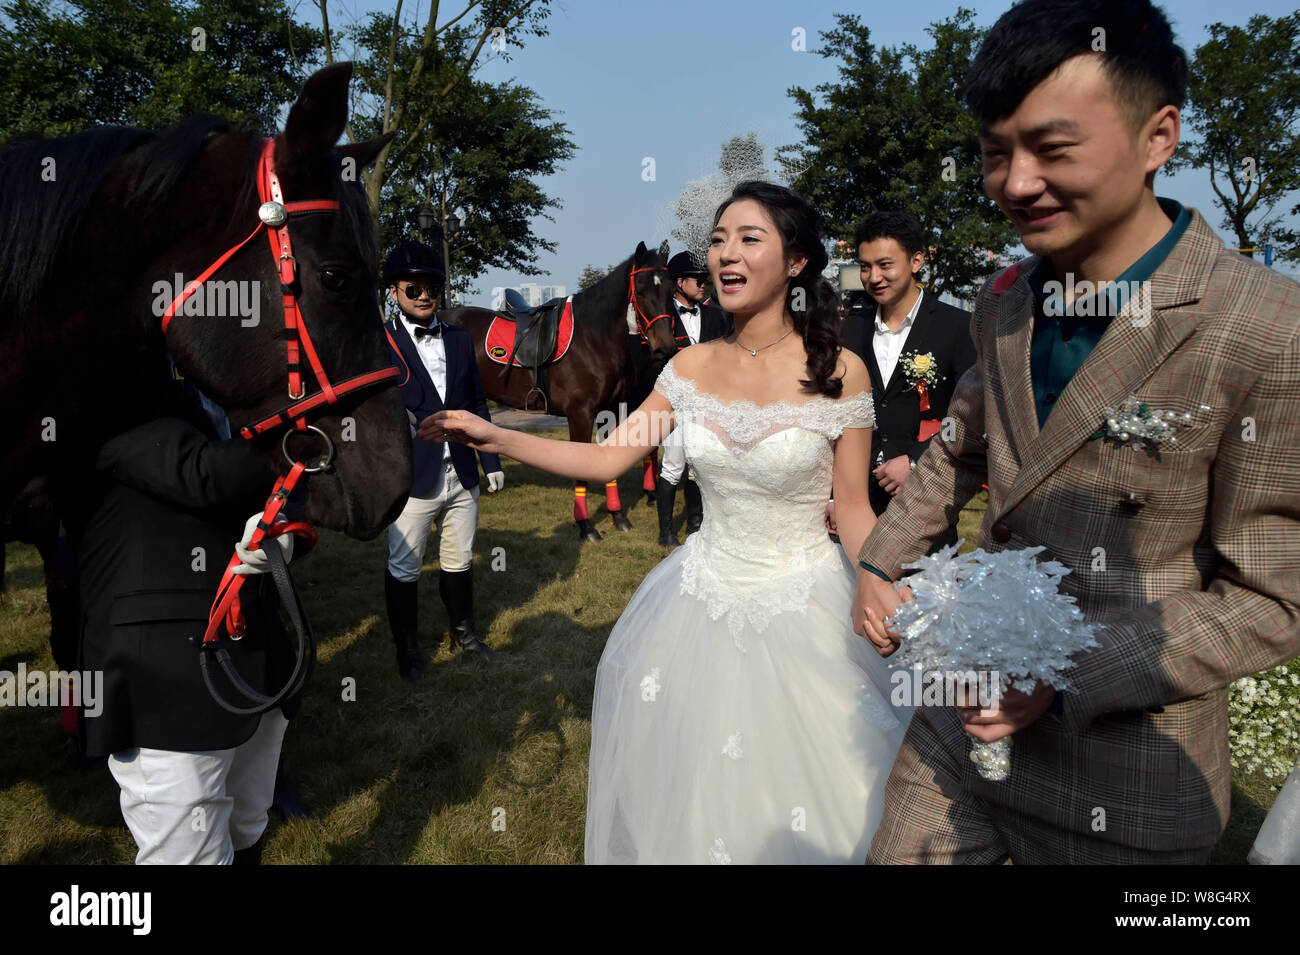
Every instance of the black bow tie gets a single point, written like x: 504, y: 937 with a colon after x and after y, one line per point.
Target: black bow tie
x: 682, y: 309
x: 435, y: 330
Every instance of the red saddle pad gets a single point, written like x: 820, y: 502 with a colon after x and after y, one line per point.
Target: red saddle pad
x: 501, y: 337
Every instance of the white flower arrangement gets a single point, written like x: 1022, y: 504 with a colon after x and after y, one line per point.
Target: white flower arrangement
x: 997, y: 612
x: 1264, y: 722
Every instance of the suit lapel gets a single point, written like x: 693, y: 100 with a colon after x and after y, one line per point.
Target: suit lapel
x: 1015, y: 322
x: 918, y: 333
x: 1138, y: 339
x: 450, y: 345
x: 869, y: 353
x: 412, y: 355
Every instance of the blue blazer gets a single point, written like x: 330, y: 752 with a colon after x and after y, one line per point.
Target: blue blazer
x: 464, y: 393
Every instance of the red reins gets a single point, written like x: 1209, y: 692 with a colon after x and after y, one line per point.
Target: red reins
x: 646, y: 323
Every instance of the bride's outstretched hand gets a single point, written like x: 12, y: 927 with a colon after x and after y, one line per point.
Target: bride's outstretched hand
x: 463, y: 427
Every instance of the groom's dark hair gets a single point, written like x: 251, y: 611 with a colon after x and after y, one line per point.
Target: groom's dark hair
x: 902, y: 227
x: 1146, y: 68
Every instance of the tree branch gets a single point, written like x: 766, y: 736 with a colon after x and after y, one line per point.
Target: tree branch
x: 325, y: 23
x: 384, y: 126
x: 461, y: 17
x: 469, y: 62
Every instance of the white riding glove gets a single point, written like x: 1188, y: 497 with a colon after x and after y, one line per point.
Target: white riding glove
x: 256, y: 561
x: 496, y: 481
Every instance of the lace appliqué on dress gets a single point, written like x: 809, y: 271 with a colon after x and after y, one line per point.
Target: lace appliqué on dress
x: 718, y: 854
x: 766, y: 480
x: 787, y: 593
x: 734, y: 748
x: 747, y: 423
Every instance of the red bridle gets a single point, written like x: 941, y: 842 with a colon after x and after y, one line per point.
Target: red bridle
x: 645, y: 323
x: 274, y: 214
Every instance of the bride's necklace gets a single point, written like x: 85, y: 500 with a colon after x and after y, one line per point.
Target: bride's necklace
x: 755, y: 351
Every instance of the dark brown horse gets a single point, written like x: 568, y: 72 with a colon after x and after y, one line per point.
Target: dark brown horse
x: 101, y: 231
x: 96, y: 231
x: 595, y: 374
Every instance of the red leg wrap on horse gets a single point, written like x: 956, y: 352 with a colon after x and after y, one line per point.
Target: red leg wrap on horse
x: 650, y: 475
x: 612, y: 502
x: 580, y: 502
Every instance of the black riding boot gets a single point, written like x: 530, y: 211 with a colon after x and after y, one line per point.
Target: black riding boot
x: 286, y: 801
x: 694, y: 505
x: 402, y: 598
x: 457, y: 589
x: 250, y: 856
x: 665, y: 498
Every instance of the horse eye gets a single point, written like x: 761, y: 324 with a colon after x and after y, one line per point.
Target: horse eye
x: 333, y: 280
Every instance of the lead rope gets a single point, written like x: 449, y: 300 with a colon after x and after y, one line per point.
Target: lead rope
x: 227, y: 610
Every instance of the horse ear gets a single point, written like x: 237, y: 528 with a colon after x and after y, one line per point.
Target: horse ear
x: 663, y: 250
x: 365, y: 153
x: 639, y: 257
x: 317, y: 119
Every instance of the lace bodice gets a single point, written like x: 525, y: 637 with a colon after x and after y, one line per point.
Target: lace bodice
x: 765, y: 475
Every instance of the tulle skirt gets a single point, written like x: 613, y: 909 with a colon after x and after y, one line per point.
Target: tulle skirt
x: 772, y: 747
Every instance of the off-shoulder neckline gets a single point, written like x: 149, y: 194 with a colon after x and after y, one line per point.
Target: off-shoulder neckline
x: 783, y: 403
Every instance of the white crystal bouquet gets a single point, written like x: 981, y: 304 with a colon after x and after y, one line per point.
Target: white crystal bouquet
x: 991, y: 613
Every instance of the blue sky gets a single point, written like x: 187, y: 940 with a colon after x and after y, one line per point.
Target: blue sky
x: 673, y: 80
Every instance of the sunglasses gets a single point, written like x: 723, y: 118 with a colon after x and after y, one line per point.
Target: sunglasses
x: 414, y: 291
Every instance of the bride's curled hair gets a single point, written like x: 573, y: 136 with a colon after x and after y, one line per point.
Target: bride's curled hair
x: 811, y: 300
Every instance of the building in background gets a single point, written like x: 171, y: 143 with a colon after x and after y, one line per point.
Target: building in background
x: 536, y: 294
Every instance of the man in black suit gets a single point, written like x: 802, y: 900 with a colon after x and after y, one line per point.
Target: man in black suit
x: 158, y: 517
x: 438, y: 371
x: 914, y: 346
x: 694, y: 322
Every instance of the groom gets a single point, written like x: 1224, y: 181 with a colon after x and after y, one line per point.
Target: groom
x: 1187, y: 551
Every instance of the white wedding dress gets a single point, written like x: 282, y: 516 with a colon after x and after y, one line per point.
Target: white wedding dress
x: 737, y: 716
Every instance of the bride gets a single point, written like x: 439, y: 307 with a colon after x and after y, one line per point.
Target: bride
x: 737, y: 717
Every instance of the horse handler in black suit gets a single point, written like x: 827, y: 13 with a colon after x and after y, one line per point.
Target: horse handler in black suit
x: 694, y: 322
x: 153, y: 530
x: 439, y: 371
x: 915, y: 348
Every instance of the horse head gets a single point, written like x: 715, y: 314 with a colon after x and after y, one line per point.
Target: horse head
x: 654, y: 302
x: 236, y: 336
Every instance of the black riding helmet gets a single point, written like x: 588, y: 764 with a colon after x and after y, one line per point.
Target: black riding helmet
x: 683, y: 265
x: 413, y: 259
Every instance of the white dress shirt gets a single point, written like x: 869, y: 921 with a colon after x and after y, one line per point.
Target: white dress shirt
x: 889, y: 344
x: 690, y: 320
x: 433, y: 353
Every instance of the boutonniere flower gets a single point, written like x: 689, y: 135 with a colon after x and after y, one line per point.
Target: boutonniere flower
x: 1142, y: 427
x: 921, y: 371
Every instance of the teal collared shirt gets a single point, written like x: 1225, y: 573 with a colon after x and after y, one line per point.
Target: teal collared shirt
x: 1064, y: 336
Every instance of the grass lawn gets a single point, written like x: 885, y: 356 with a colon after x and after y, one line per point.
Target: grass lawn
x: 486, y: 761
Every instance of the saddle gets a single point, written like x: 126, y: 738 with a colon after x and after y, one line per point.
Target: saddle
x: 536, y: 329
x: 523, y: 336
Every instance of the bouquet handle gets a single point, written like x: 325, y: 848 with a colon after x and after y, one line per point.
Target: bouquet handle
x: 992, y: 760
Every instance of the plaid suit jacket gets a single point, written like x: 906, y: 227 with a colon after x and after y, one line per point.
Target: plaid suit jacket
x: 1190, y: 557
